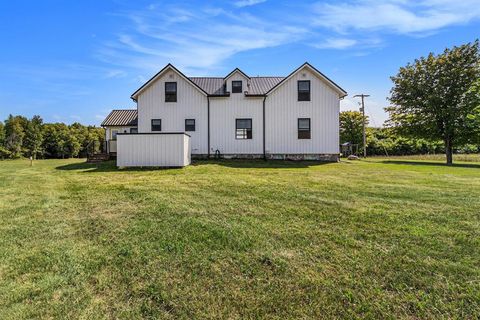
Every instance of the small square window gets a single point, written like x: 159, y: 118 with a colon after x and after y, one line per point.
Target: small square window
x: 304, y: 90
x: 189, y: 124
x: 304, y: 128
x: 156, y: 124
x: 133, y: 130
x: 243, y: 129
x: 170, y: 92
x: 236, y: 86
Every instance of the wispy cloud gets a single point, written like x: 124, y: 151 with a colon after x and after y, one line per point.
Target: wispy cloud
x: 247, y: 3
x: 199, y: 40
x: 397, y: 16
x: 336, y: 43
x: 194, y: 40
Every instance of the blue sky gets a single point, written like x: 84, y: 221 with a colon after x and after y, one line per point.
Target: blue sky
x: 76, y: 60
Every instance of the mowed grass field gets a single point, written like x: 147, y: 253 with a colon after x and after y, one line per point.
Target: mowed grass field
x: 381, y: 238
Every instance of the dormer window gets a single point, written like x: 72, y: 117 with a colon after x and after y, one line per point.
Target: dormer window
x: 304, y: 90
x: 237, y: 87
x: 170, y: 92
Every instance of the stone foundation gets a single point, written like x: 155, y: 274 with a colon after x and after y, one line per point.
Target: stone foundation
x: 305, y: 157
x: 290, y: 157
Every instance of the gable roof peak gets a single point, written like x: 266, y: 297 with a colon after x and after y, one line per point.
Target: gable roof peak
x: 236, y: 70
x: 158, y: 74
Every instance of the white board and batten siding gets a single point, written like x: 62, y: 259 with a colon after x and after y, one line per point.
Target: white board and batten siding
x: 153, y: 150
x: 191, y: 104
x: 223, y: 114
x: 283, y: 111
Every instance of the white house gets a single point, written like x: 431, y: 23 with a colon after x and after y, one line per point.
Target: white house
x: 238, y: 116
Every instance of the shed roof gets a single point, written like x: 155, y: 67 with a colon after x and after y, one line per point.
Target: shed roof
x: 121, y: 118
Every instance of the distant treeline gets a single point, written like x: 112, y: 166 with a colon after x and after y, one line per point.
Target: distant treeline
x: 383, y: 141
x: 23, y: 137
x: 386, y: 141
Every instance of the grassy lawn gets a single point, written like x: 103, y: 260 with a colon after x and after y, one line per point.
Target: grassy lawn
x: 367, y: 239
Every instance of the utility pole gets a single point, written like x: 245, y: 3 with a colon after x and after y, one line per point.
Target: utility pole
x: 363, y: 96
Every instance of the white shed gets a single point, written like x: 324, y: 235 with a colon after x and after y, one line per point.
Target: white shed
x: 162, y: 149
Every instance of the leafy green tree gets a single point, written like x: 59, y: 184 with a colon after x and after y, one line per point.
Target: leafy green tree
x: 351, y: 127
x: 14, y: 135
x: 3, y: 151
x: 34, y: 137
x: 435, y: 97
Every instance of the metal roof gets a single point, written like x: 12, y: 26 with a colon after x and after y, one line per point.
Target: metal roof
x: 255, y: 86
x: 121, y: 118
x: 215, y: 86
x: 211, y: 85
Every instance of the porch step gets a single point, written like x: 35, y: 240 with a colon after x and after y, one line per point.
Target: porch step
x: 98, y: 157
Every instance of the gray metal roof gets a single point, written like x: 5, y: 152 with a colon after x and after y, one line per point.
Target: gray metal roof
x: 211, y: 85
x: 121, y: 118
x: 255, y: 86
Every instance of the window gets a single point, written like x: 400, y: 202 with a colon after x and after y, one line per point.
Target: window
x: 304, y: 90
x: 170, y: 92
x: 133, y: 130
x: 236, y: 86
x: 156, y: 124
x: 189, y: 124
x: 243, y: 129
x: 114, y: 134
x: 304, y: 128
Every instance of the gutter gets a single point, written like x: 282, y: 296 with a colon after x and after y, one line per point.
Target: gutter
x: 264, y: 153
x: 208, y: 125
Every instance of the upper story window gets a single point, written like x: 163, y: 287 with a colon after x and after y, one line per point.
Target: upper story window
x: 170, y: 92
x: 304, y: 90
x: 243, y: 129
x: 133, y: 130
x: 189, y: 124
x: 156, y: 124
x: 237, y: 86
x: 304, y: 128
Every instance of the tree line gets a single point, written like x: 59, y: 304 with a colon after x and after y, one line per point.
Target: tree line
x: 23, y: 137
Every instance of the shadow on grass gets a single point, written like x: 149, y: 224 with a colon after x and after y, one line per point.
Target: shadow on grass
x: 432, y: 163
x: 106, y: 166
x: 109, y: 166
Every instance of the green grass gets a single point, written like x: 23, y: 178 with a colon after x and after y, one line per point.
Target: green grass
x: 379, y: 239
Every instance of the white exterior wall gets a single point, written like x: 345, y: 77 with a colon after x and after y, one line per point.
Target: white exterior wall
x: 283, y: 110
x: 108, y: 131
x: 224, y: 111
x: 153, y: 150
x: 191, y: 104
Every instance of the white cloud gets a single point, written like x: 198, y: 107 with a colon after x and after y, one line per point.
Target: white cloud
x: 197, y: 43
x: 398, y: 16
x: 115, y: 74
x: 247, y: 3
x: 338, y: 43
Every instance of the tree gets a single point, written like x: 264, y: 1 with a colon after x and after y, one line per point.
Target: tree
x: 351, y: 127
x: 3, y: 151
x: 14, y: 135
x: 435, y: 97
x: 34, y: 137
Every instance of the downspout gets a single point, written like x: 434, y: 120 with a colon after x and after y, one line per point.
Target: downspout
x: 208, y: 125
x: 264, y: 153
